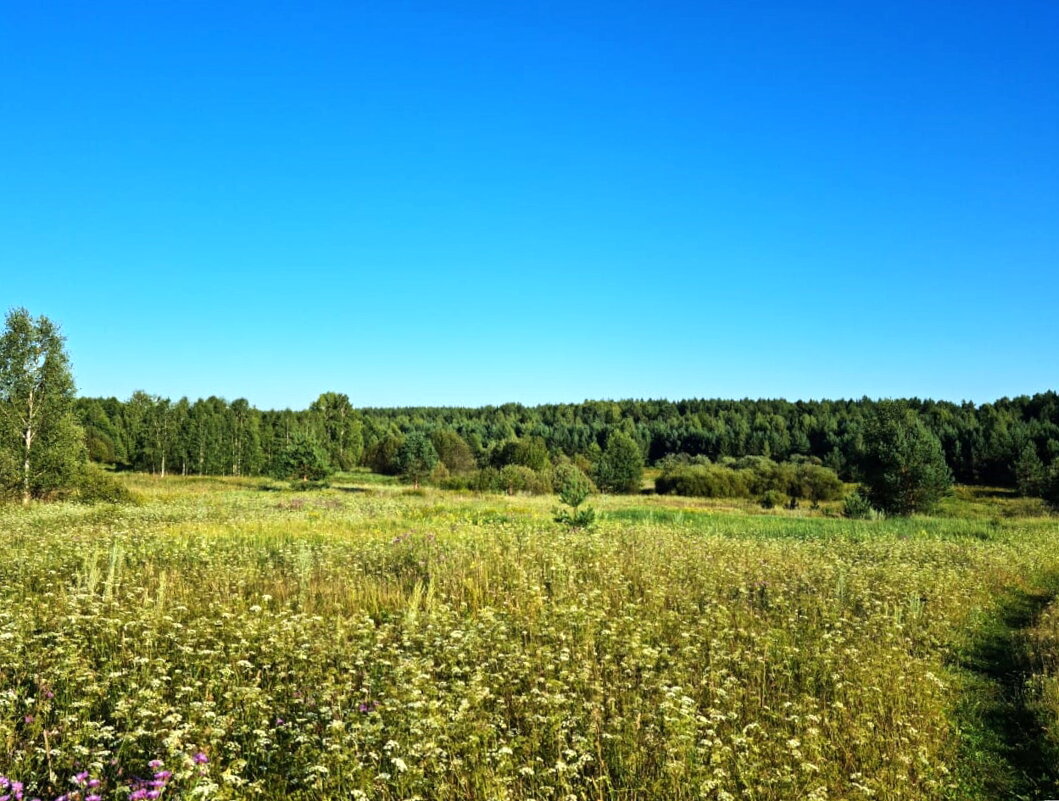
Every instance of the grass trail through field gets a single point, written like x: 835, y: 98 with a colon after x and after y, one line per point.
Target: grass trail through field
x: 1004, y: 749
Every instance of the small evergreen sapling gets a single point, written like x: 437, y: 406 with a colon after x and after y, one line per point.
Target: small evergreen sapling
x: 573, y: 487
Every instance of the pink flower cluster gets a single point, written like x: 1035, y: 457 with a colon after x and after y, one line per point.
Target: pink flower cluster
x: 150, y: 789
x: 12, y: 790
x: 89, y: 788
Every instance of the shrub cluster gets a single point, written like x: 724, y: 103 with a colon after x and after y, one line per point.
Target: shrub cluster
x: 856, y: 506
x: 511, y: 478
x: 749, y: 477
x: 96, y: 485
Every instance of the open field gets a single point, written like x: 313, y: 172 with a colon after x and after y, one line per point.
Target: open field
x: 369, y: 641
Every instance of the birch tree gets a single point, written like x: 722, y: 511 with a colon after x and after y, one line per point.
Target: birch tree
x: 41, y: 444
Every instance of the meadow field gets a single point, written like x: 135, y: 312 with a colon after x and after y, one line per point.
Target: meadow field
x: 233, y: 639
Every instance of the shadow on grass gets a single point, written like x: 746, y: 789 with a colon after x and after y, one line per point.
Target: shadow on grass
x: 1003, y: 755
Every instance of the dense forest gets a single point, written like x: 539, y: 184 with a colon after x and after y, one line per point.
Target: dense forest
x: 989, y: 444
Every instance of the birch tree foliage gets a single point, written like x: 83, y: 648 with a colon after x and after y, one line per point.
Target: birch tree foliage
x: 41, y: 445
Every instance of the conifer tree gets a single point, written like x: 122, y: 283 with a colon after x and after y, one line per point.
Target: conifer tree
x: 904, y: 467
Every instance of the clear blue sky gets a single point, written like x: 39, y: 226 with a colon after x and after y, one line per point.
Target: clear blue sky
x: 464, y: 203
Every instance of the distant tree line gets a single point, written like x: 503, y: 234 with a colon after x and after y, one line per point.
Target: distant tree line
x: 904, y: 453
x: 1007, y: 443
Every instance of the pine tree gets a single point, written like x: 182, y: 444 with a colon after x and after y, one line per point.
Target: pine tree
x: 904, y: 467
x: 303, y: 459
x: 1030, y: 473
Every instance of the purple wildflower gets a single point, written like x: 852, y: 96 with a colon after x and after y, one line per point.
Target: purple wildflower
x: 155, y: 764
x: 200, y: 758
x: 82, y: 777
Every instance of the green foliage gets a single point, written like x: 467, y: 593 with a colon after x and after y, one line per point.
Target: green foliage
x: 750, y: 476
x: 486, y: 480
x: 620, y: 468
x: 513, y: 478
x: 770, y: 499
x: 42, y: 447
x: 904, y: 469
x: 302, y: 459
x: 576, y: 517
x: 96, y: 485
x: 815, y: 483
x: 1050, y: 488
x: 704, y: 481
x: 309, y: 485
x: 382, y: 455
x: 531, y: 452
x: 981, y: 444
x: 510, y: 479
x: 856, y: 506
x: 416, y: 458
x: 572, y: 485
x: 1030, y: 473
x: 339, y: 429
x: 102, y: 436
x: 453, y: 451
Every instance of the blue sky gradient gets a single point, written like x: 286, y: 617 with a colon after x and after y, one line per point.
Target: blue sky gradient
x: 470, y: 203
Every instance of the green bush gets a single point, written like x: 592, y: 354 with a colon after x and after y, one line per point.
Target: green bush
x: 1050, y: 486
x: 309, y: 485
x: 514, y: 478
x: 856, y: 506
x: 772, y: 498
x: 510, y: 479
x: 486, y: 480
x: 704, y: 481
x: 750, y: 476
x: 96, y: 485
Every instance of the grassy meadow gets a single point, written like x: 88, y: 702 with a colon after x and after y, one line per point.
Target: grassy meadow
x: 230, y: 639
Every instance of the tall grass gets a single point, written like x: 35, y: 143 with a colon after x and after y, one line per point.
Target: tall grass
x: 389, y: 646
